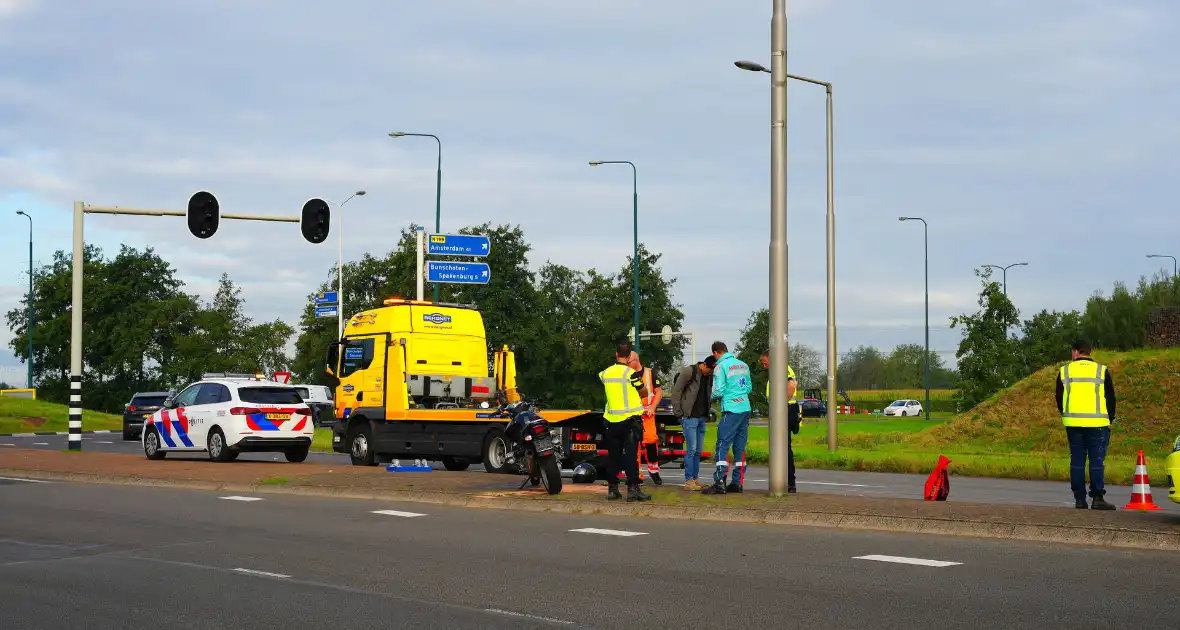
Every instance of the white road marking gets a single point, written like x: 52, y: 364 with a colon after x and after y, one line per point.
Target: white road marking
x: 902, y: 560
x: 237, y: 498
x: 262, y: 573
x: 12, y: 445
x: 40, y: 443
x: 102, y: 442
x: 829, y: 483
x: 397, y: 513
x: 24, y: 435
x: 516, y: 614
x: 608, y: 532
x: 23, y: 479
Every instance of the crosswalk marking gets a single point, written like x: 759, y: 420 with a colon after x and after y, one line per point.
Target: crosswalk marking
x: 903, y: 560
x: 607, y: 532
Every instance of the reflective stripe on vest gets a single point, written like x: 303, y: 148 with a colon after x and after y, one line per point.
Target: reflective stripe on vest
x: 1083, y: 402
x: 620, y: 393
x: 790, y: 375
x: 651, y: 392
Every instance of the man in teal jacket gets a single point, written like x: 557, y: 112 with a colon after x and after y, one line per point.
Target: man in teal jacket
x: 731, y: 385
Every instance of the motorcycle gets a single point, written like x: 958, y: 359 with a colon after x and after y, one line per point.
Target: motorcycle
x: 533, y: 446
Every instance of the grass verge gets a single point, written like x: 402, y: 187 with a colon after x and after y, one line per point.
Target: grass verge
x: 23, y: 415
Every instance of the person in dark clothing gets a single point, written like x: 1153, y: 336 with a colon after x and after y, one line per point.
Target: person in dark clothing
x: 691, y: 398
x: 1086, y: 402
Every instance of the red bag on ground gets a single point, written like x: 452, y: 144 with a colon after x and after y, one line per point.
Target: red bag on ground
x: 938, y: 484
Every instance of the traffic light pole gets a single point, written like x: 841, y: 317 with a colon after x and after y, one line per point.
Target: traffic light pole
x: 81, y: 209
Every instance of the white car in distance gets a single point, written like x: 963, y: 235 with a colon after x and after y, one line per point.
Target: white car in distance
x: 900, y: 408
x: 226, y: 415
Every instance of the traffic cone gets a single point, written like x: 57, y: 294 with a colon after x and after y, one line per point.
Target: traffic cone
x: 1141, y: 491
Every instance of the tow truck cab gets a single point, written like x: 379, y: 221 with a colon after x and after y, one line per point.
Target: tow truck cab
x: 413, y: 382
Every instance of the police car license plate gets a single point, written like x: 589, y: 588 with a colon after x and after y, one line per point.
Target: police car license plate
x: 583, y: 447
x: 278, y: 416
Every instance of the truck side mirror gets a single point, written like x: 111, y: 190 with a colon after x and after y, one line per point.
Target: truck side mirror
x: 332, y: 357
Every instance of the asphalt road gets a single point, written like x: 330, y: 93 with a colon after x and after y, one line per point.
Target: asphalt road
x: 974, y: 489
x: 125, y: 557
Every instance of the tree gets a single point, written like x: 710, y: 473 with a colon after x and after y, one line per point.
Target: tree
x: 1047, y: 337
x: 754, y: 339
x: 989, y: 360
x: 862, y: 368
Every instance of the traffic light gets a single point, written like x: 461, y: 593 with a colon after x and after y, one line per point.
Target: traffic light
x: 315, y: 220
x: 203, y: 214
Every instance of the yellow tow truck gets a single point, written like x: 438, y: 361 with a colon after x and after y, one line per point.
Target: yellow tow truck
x: 413, y: 383
x: 1172, y: 468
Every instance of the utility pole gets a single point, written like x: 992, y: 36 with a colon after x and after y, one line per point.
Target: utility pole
x: 779, y: 359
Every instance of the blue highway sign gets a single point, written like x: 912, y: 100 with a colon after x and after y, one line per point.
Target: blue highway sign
x: 326, y: 311
x: 326, y: 297
x: 458, y: 272
x: 458, y: 245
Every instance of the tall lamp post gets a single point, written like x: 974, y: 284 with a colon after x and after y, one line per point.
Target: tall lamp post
x: 29, y: 304
x: 635, y: 255
x: 1004, y: 270
x: 340, y: 267
x: 926, y: 250
x: 1149, y: 256
x: 831, y: 245
x: 437, y: 185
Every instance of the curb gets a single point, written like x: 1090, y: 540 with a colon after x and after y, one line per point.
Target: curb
x: 44, y: 433
x: 1067, y: 534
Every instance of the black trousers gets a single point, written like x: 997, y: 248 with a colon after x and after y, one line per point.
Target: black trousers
x: 620, y: 448
x: 794, y: 421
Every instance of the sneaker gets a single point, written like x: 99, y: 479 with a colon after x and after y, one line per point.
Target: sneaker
x: 734, y: 488
x: 1100, y: 504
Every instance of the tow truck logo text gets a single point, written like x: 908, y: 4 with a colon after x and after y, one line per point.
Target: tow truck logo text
x: 437, y: 318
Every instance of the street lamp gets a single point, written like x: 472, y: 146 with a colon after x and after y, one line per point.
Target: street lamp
x: 831, y: 245
x: 635, y: 255
x: 926, y: 249
x: 29, y: 304
x: 1166, y: 256
x: 437, y: 185
x: 340, y: 267
x: 1004, y: 269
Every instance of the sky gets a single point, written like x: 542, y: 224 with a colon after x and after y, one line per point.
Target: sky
x: 1038, y: 132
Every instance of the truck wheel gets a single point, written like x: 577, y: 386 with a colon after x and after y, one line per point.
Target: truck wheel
x: 550, y: 474
x: 360, y: 445
x: 495, y: 452
x: 455, y: 465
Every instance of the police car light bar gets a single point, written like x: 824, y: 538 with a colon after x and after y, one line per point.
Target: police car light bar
x: 253, y: 377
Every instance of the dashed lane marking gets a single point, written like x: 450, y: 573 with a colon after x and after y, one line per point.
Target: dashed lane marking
x: 40, y: 443
x: 398, y: 513
x: 510, y: 613
x: 262, y: 573
x: 237, y: 498
x: 902, y: 560
x: 607, y: 532
x: 103, y: 442
x: 9, y: 445
x: 22, y: 479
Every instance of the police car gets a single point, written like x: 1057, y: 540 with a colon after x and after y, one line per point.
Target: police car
x: 226, y: 414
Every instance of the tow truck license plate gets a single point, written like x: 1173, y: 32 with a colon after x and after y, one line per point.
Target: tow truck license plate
x: 583, y: 447
x: 278, y: 416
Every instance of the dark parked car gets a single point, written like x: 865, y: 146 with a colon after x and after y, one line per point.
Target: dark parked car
x: 812, y: 408
x: 142, y: 405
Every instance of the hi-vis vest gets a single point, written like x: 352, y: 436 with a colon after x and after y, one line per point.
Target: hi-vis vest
x: 1083, y: 403
x: 622, y: 399
x: 790, y: 375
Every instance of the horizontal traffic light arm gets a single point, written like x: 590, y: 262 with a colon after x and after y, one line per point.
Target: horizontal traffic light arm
x: 89, y: 209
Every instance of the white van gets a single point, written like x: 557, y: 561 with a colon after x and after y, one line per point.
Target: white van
x: 319, y: 398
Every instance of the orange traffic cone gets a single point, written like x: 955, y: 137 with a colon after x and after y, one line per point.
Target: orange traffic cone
x: 1141, y: 491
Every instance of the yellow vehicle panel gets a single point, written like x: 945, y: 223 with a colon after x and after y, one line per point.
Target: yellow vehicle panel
x: 1172, y: 468
x: 480, y: 415
x: 441, y: 340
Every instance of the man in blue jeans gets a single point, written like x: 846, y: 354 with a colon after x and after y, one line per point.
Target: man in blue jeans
x: 691, y: 397
x: 1085, y: 399
x: 731, y: 385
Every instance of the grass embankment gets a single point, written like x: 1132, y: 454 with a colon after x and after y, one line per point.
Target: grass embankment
x: 23, y: 415
x: 1015, y: 434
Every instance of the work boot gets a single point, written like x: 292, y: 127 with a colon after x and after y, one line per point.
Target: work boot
x: 1100, y: 503
x: 733, y: 487
x: 716, y: 488
x: 792, y: 490
x: 1081, y: 504
x: 655, y: 478
x: 612, y: 491
x: 635, y: 494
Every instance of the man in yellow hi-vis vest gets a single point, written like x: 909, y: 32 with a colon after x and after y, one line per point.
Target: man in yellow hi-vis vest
x: 1085, y: 399
x: 794, y: 418
x: 624, y: 407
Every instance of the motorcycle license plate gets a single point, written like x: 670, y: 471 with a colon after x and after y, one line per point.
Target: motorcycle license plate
x: 583, y: 447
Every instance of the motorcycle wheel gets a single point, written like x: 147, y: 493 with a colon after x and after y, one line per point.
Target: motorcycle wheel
x: 550, y: 474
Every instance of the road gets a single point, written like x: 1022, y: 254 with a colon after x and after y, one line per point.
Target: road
x: 107, y: 557
x: 975, y: 489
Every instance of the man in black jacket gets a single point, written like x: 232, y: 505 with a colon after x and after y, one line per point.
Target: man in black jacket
x: 691, y: 395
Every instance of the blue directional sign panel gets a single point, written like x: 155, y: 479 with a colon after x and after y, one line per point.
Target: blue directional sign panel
x: 326, y: 297
x: 458, y: 272
x: 326, y: 311
x: 458, y: 245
